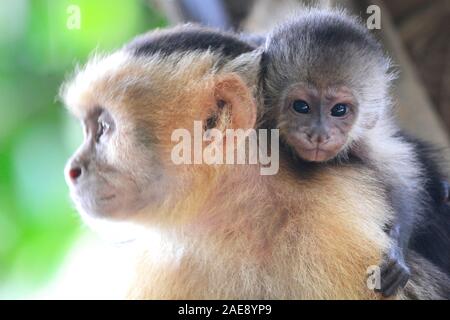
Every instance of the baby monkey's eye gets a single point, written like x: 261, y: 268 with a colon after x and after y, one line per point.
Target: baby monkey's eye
x: 300, y: 106
x: 339, y: 110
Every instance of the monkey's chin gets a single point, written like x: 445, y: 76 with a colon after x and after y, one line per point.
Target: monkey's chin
x: 110, y: 207
x: 316, y: 155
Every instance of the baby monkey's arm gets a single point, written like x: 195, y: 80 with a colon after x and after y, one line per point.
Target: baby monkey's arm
x: 394, y: 271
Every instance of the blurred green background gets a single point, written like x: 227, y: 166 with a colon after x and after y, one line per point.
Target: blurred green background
x: 40, y: 45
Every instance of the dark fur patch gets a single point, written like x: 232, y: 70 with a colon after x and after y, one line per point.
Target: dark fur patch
x: 187, y: 39
x: 211, y: 122
x: 431, y: 238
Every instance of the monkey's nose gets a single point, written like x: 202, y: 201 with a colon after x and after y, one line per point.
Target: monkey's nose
x: 322, y: 139
x: 75, y: 172
x: 318, y: 138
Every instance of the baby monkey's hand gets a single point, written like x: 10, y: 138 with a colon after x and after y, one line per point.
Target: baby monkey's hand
x: 394, y: 272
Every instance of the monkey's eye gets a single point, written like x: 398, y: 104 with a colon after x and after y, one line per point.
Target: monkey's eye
x: 101, y: 129
x: 339, y: 110
x: 300, y: 106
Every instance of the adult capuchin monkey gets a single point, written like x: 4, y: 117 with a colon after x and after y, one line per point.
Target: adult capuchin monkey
x: 227, y: 232
x: 326, y: 87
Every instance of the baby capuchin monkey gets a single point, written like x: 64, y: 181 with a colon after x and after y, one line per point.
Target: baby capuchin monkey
x: 326, y: 87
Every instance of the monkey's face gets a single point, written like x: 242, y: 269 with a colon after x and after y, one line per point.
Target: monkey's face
x: 113, y: 174
x: 316, y: 122
x: 117, y: 171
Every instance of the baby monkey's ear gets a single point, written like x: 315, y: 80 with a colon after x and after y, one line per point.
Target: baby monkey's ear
x: 236, y: 89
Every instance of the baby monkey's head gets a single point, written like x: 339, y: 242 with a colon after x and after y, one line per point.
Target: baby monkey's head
x: 326, y: 83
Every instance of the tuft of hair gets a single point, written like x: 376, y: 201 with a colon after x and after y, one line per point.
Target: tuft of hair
x: 188, y: 38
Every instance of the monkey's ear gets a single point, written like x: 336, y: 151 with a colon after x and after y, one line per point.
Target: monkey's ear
x: 236, y: 88
x: 236, y: 99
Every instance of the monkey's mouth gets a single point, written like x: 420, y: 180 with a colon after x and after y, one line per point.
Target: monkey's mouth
x: 107, y: 198
x: 315, y: 154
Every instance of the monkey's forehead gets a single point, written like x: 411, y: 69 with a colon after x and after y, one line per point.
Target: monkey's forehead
x: 155, y: 59
x: 75, y: 90
x: 322, y: 35
x: 324, y: 27
x: 106, y: 81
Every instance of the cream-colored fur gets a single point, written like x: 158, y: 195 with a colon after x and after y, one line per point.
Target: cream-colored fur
x: 271, y: 237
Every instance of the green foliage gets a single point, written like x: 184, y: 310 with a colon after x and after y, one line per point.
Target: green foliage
x: 37, y: 50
